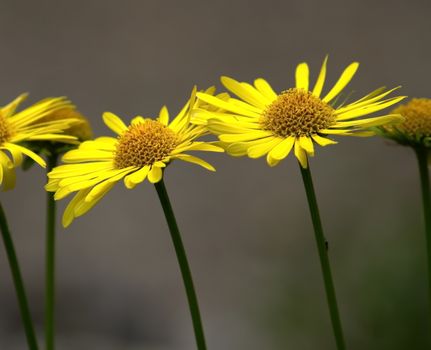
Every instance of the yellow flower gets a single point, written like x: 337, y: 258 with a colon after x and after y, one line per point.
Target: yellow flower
x: 415, y: 130
x: 262, y: 122
x: 27, y: 126
x: 141, y: 151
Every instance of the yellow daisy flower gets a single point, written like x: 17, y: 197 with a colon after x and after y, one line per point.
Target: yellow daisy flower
x: 140, y: 151
x: 25, y: 126
x: 262, y: 122
x: 415, y: 130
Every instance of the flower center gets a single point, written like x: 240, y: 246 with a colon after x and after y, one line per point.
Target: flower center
x: 417, y: 114
x: 5, y: 130
x: 297, y: 112
x: 143, y: 144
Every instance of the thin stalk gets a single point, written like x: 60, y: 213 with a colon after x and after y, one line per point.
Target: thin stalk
x: 50, y: 262
x: 183, y: 263
x: 324, y: 259
x: 17, y: 280
x: 422, y: 156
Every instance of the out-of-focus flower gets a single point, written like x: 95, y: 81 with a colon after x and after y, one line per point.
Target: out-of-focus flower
x: 17, y: 129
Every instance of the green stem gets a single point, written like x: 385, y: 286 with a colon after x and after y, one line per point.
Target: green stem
x: 184, y: 265
x: 50, y: 262
x: 17, y: 279
x: 324, y: 260
x: 422, y: 156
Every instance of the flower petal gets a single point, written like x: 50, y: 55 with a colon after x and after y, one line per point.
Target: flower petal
x: 342, y: 82
x: 317, y: 90
x: 302, y: 76
x: 283, y: 149
x: 114, y: 123
x: 155, y: 174
x: 301, y: 155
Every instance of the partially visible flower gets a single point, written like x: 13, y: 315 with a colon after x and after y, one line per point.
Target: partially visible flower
x: 81, y: 129
x: 262, y: 122
x: 415, y: 130
x: 140, y: 151
x: 17, y: 128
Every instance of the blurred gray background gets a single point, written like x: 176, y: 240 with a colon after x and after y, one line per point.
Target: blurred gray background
x: 246, y: 227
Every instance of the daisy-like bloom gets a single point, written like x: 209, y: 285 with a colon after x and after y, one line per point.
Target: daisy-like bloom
x: 262, y: 122
x: 26, y: 126
x: 140, y: 151
x: 415, y: 130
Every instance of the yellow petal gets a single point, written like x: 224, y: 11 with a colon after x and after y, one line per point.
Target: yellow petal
x: 114, y: 123
x: 164, y: 116
x: 245, y: 92
x: 248, y: 136
x: 265, y: 89
x: 15, y: 148
x: 10, y: 108
x: 226, y: 105
x: 137, y: 120
x: 68, y: 215
x: 271, y: 161
x: 323, y: 141
x: 194, y: 160
x: 283, y: 149
x: 342, y: 82
x: 261, y: 149
x: 8, y: 172
x: 301, y: 76
x: 307, y: 144
x: 130, y: 181
x: 78, y: 155
x: 239, y: 149
x: 370, y: 122
x: 368, y: 109
x: 155, y: 174
x: 301, y: 155
x: 317, y: 90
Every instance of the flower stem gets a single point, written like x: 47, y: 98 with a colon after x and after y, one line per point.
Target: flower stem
x: 324, y: 260
x: 422, y: 156
x: 50, y: 261
x: 17, y: 279
x: 184, y: 265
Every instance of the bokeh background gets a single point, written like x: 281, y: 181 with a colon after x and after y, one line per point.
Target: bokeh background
x: 246, y: 227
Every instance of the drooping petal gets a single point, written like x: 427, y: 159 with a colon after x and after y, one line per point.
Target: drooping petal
x: 300, y: 154
x: 195, y: 160
x: 130, y: 181
x: 282, y: 150
x: 323, y: 141
x: 307, y: 144
x: 261, y: 149
x: 155, y: 174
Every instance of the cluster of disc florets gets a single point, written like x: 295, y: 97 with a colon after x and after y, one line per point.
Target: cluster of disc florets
x: 297, y: 112
x: 144, y: 143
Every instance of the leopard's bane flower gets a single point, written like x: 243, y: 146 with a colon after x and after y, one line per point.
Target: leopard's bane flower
x: 141, y: 150
x: 415, y: 130
x: 262, y: 122
x: 27, y: 126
